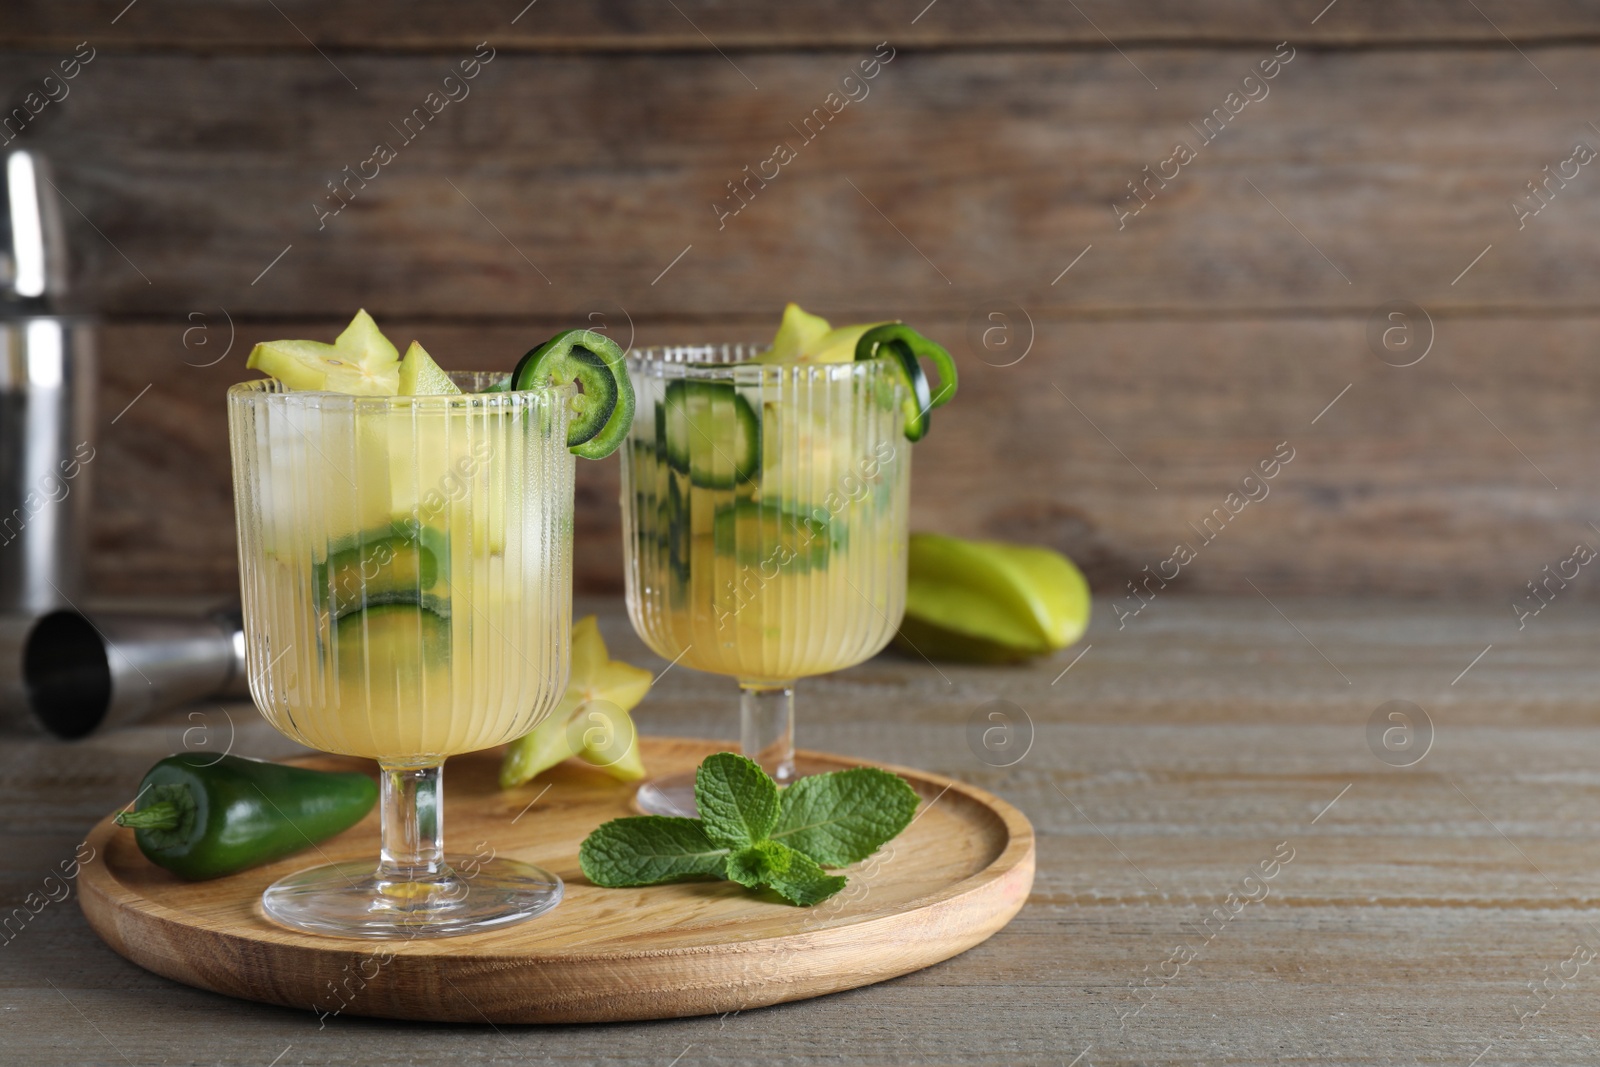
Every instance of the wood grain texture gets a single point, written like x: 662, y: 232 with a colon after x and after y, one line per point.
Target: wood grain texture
x: 949, y: 882
x: 702, y: 25
x: 1168, y: 763
x: 1219, y: 321
x: 565, y: 181
x: 1404, y: 485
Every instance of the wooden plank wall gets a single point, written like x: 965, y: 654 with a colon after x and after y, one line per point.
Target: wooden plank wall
x: 1121, y: 371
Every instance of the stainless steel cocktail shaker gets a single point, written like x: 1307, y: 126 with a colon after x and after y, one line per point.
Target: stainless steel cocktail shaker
x: 47, y: 379
x: 63, y: 671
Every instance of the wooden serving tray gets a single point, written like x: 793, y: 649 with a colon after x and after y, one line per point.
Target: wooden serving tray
x: 955, y: 876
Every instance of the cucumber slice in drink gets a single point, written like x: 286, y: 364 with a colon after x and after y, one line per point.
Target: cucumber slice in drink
x: 421, y: 376
x: 674, y: 522
x: 393, y: 656
x: 603, y: 409
x: 772, y: 538
x: 711, y: 432
x: 385, y: 568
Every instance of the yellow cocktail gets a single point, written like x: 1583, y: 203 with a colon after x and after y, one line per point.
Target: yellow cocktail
x: 406, y: 568
x: 765, y: 526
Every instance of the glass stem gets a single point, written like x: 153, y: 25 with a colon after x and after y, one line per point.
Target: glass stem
x: 412, y: 815
x: 766, y: 727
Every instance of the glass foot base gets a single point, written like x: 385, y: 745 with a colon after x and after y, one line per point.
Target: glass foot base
x: 350, y: 900
x: 671, y: 794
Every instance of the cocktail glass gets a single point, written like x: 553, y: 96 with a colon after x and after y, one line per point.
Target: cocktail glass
x: 765, y: 528
x: 407, y: 574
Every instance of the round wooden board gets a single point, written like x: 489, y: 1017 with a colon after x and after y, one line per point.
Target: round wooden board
x: 955, y: 876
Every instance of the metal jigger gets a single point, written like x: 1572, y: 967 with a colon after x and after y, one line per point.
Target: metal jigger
x: 82, y: 674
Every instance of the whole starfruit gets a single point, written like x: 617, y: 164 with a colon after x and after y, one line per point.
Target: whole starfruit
x: 989, y: 601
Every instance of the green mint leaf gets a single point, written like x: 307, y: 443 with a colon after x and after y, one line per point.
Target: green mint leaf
x: 738, y: 803
x: 649, y: 850
x: 798, y: 879
x: 753, y: 866
x: 842, y: 817
x: 793, y: 875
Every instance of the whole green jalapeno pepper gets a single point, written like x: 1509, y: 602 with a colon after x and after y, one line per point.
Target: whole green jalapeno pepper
x: 202, y: 817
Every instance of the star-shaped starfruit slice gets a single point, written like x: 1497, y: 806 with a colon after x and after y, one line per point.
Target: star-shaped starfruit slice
x: 591, y: 722
x: 361, y: 361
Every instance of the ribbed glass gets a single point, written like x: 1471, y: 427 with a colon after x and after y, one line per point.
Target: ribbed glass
x: 406, y: 564
x: 764, y: 511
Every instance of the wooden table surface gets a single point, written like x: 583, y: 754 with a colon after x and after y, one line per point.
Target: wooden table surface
x: 1435, y: 913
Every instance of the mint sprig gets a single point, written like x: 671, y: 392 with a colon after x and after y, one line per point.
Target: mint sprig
x: 748, y: 832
